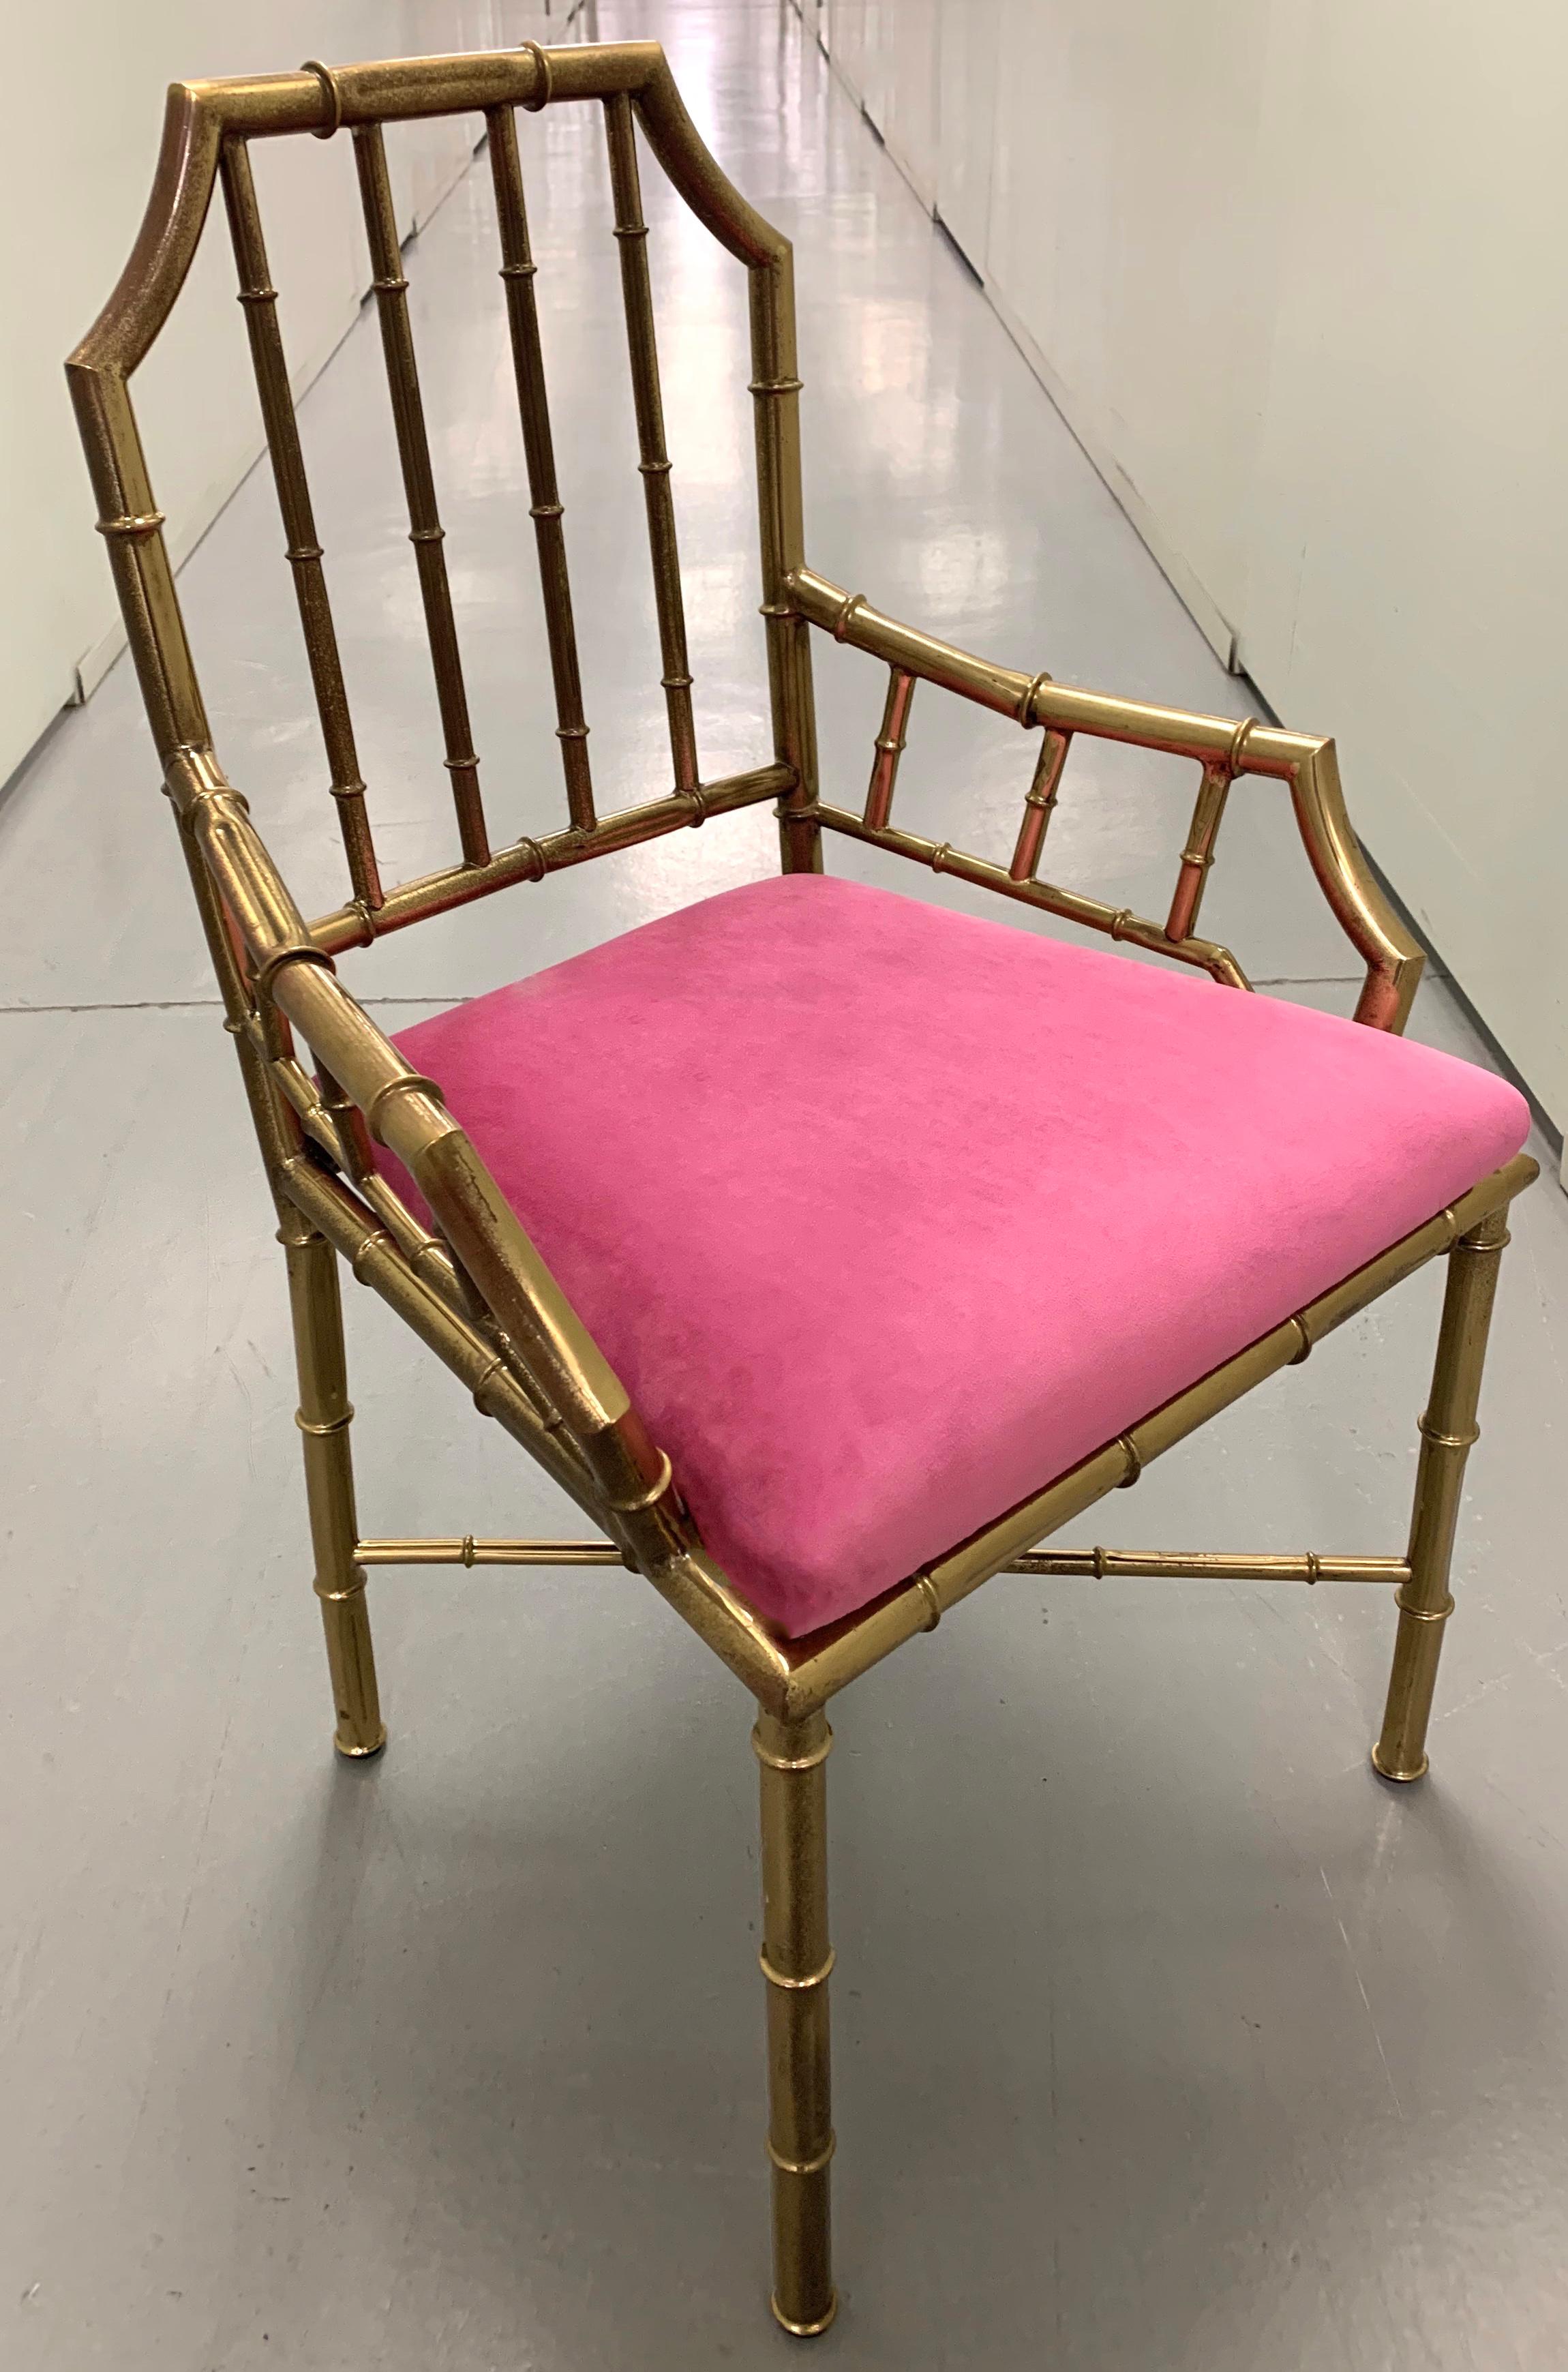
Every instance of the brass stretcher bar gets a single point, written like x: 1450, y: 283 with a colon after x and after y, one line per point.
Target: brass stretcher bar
x: 1175, y: 1565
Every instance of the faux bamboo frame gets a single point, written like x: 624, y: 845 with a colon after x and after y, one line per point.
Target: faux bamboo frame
x: 475, y: 1290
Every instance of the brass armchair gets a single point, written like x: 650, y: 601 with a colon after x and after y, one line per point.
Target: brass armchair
x: 366, y: 1163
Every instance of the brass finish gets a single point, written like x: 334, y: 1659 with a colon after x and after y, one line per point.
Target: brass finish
x: 496, y: 1390
x: 1199, y: 854
x: 1171, y: 1564
x: 1392, y: 958
x: 425, y: 531
x: 1097, y: 1563
x: 889, y: 748
x: 1039, y: 804
x: 631, y: 236
x: 517, y: 272
x: 323, y: 1420
x: 531, y: 860
x: 796, y: 1961
x: 1447, y: 1430
x: 1119, y: 922
x: 324, y: 1087
x: 470, y: 1551
x: 260, y: 299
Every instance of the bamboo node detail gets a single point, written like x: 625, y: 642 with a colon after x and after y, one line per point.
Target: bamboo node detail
x: 797, y: 1985
x: 538, y: 97
x: 331, y: 93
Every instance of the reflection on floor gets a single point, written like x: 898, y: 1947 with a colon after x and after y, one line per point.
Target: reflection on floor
x: 1167, y: 2037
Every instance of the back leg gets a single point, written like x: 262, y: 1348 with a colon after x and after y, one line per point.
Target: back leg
x: 324, y: 1418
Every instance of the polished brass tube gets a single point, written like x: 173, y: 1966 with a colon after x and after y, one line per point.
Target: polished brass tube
x: 527, y: 364
x: 775, y: 393
x: 567, y: 1372
x: 631, y: 236
x: 531, y: 860
x: 277, y: 1133
x: 403, y: 1111
x: 1097, y: 1563
x: 1447, y: 1430
x: 1198, y: 854
x: 348, y: 1141
x: 374, y: 1260
x: 775, y: 406
x: 1037, y: 699
x: 323, y: 1420
x: 260, y: 299
x: 1392, y: 958
x: 850, y: 617
x: 692, y: 168
x: 425, y: 531
x: 201, y: 115
x: 326, y: 99
x: 1201, y: 1565
x: 797, y: 1961
x: 132, y: 526
x: 469, y: 1552
x: 1039, y: 805
x: 889, y: 745
x: 1117, y: 922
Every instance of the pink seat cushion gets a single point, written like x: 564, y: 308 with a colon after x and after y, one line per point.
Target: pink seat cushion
x: 887, y: 1217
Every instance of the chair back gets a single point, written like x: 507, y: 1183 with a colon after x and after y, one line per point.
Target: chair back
x: 208, y: 135
x: 476, y: 1289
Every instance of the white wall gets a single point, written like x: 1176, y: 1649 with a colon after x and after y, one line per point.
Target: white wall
x: 76, y: 167
x: 1295, y: 271
x: 1409, y: 510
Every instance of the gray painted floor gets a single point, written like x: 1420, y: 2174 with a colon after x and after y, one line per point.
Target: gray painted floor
x: 1167, y: 2036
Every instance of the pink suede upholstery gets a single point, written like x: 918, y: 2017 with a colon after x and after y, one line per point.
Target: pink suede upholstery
x: 887, y: 1216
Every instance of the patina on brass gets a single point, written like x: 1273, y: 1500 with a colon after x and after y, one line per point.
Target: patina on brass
x: 475, y: 1289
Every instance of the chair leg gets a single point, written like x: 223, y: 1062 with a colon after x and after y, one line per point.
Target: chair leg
x: 796, y: 1960
x: 1447, y: 1429
x: 323, y: 1420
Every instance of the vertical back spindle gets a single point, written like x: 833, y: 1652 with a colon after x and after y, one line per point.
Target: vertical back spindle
x: 425, y: 531
x: 632, y: 232
x: 527, y: 364
x: 260, y: 299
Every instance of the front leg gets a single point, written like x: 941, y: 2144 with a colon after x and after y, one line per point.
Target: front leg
x: 796, y: 1961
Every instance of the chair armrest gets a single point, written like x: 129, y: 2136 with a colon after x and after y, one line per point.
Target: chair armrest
x: 1224, y: 748
x: 284, y: 981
